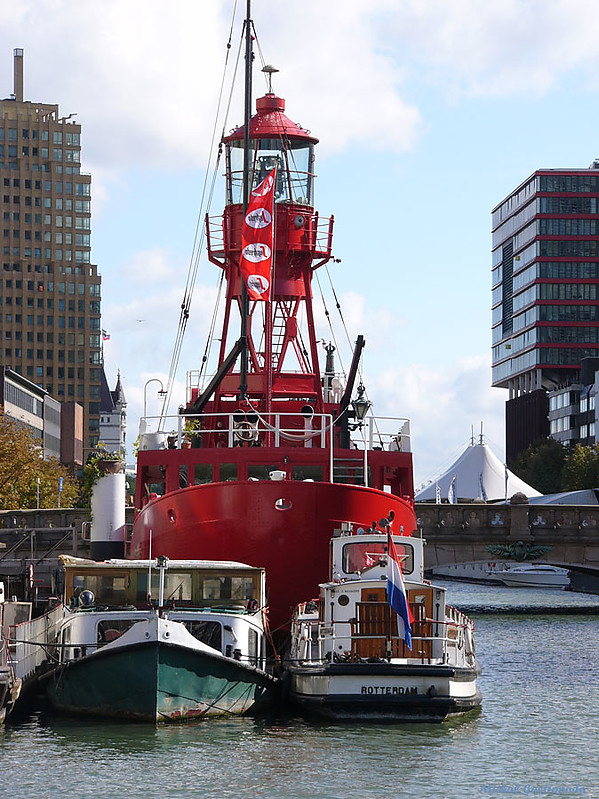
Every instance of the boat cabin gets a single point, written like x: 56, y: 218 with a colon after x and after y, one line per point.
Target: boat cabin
x: 187, y: 584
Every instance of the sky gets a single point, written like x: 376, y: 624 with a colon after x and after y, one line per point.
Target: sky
x: 428, y: 112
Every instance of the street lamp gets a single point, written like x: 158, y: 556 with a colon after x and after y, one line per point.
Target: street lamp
x: 161, y: 392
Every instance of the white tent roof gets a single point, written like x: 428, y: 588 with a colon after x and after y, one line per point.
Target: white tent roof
x: 477, y: 474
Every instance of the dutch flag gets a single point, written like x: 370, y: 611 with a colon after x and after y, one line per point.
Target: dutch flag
x: 396, y: 594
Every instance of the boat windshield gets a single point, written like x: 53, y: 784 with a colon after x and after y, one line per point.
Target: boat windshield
x: 360, y: 555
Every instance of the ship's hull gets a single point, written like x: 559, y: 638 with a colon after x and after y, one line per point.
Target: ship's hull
x: 283, y: 526
x: 384, y: 691
x: 157, y: 682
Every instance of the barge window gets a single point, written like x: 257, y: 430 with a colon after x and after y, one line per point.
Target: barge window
x: 359, y: 556
x: 183, y: 476
x: 227, y: 472
x: 202, y: 473
x: 111, y: 629
x: 177, y: 586
x: 260, y: 471
x: 308, y: 472
x: 208, y: 632
x: 240, y: 588
x: 107, y: 589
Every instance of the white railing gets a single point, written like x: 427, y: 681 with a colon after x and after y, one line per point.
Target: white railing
x: 29, y: 642
x: 316, y: 640
x: 238, y: 427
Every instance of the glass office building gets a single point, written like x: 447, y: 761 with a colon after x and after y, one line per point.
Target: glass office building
x: 545, y: 291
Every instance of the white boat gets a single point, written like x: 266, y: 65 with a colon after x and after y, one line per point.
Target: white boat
x: 532, y: 575
x: 200, y: 650
x: 346, y: 658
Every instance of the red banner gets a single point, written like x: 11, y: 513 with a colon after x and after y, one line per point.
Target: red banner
x: 257, y: 240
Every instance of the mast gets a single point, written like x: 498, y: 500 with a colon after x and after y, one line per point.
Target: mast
x: 277, y: 358
x: 246, y: 193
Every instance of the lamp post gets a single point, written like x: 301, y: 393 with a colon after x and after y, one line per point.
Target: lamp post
x: 361, y: 406
x: 142, y: 422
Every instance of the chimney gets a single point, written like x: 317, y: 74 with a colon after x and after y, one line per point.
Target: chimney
x: 18, y: 74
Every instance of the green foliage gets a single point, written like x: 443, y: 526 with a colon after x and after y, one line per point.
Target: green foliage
x: 581, y: 468
x: 541, y: 465
x: 549, y: 467
x: 22, y: 464
x: 94, y: 469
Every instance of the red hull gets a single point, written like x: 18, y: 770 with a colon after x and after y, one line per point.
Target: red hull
x: 241, y: 521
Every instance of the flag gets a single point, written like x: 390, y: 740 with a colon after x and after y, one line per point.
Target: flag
x: 396, y: 594
x: 481, y: 487
x: 105, y: 336
x: 451, y: 492
x: 257, y: 240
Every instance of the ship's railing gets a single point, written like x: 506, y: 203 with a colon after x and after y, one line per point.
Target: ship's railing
x: 298, y: 429
x: 234, y: 429
x: 319, y: 242
x: 29, y: 642
x: 384, y: 432
x: 318, y: 642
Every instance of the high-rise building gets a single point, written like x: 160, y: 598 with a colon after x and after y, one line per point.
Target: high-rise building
x: 49, y: 289
x: 545, y: 293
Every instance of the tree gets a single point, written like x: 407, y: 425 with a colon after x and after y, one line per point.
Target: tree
x: 541, y: 465
x: 22, y: 464
x: 581, y: 468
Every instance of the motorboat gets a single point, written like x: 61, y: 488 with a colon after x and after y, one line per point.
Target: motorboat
x: 532, y: 575
x: 349, y: 659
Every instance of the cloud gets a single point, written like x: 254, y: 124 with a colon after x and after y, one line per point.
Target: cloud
x: 500, y: 47
x: 144, y: 78
x: 444, y: 406
x: 150, y: 266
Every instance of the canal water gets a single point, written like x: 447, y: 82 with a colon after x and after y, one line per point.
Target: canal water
x: 536, y: 734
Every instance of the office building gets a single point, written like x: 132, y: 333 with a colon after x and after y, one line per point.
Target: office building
x: 545, y: 291
x: 49, y: 289
x: 573, y: 408
x: 32, y: 407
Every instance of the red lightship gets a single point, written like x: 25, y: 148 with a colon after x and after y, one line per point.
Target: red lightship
x: 281, y: 455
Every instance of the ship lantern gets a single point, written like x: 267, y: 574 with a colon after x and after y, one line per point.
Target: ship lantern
x: 274, y: 141
x: 360, y: 405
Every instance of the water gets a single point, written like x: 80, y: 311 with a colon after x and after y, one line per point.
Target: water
x: 535, y: 734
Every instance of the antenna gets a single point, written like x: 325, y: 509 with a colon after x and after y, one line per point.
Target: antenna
x: 269, y: 70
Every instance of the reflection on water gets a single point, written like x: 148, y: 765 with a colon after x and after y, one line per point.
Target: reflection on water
x: 540, y: 687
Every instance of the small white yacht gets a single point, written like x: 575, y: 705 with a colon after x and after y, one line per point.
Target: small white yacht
x: 532, y: 575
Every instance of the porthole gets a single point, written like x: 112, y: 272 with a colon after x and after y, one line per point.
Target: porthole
x: 171, y: 516
x: 283, y: 503
x: 343, y: 600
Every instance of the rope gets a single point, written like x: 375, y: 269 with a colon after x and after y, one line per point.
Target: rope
x: 200, y: 232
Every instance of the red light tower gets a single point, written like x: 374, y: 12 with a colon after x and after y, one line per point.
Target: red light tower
x: 282, y: 353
